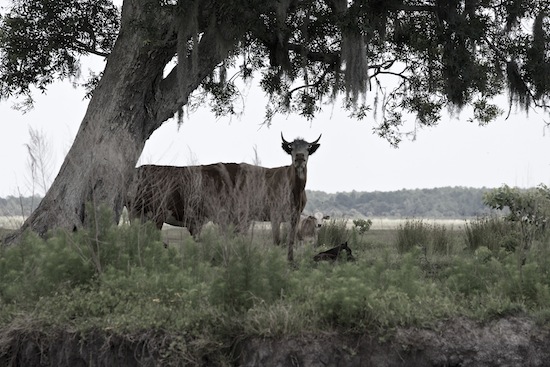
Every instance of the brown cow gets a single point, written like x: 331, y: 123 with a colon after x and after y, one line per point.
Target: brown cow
x: 283, y: 190
x: 177, y: 195
x: 226, y: 193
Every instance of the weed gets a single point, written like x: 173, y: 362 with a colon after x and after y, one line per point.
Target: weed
x: 491, y: 232
x: 411, y: 234
x: 333, y: 233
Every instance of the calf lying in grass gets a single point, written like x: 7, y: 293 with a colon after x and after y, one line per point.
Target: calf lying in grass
x: 334, y: 253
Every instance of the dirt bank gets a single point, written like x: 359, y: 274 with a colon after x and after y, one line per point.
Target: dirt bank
x: 506, y: 342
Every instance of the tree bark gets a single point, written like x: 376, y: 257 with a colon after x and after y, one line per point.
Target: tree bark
x: 130, y: 102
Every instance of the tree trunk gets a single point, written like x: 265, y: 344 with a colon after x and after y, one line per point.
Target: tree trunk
x: 129, y: 104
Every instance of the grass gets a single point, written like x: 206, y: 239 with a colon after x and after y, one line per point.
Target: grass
x: 229, y: 287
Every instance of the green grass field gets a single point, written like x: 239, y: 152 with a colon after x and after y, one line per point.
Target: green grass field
x: 228, y: 287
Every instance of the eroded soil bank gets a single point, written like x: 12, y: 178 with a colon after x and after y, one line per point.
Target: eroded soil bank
x: 505, y: 342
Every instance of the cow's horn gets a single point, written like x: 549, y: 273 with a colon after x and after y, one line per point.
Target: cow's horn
x: 315, y: 142
x: 284, y: 141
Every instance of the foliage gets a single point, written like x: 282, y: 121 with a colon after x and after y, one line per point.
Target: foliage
x: 491, y: 232
x: 528, y: 209
x: 42, y: 41
x: 333, y: 233
x: 306, y: 52
x: 416, y: 233
x: 529, y: 206
x: 379, y: 296
x: 362, y: 225
x: 227, y: 287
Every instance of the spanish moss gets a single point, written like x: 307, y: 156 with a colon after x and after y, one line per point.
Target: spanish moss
x: 187, y: 33
x: 537, y: 63
x: 354, y: 56
x: 519, y: 92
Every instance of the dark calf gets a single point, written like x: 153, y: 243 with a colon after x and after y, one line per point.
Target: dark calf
x: 334, y: 253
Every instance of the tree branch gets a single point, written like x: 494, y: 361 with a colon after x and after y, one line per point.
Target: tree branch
x: 319, y: 80
x: 171, y: 95
x: 501, y: 55
x: 84, y: 48
x: 327, y: 58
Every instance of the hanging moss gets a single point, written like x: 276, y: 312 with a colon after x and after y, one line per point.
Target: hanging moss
x: 519, y: 93
x: 537, y: 64
x: 354, y: 57
x: 187, y: 33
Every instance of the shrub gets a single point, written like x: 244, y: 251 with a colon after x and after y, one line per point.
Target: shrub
x: 36, y: 268
x: 231, y: 286
x: 491, y: 232
x: 250, y: 275
x: 362, y: 225
x: 333, y: 233
x: 411, y: 234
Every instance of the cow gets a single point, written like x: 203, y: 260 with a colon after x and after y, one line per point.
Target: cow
x: 178, y: 195
x: 334, y: 253
x: 310, y: 225
x: 270, y: 194
x: 225, y: 193
x: 285, y: 195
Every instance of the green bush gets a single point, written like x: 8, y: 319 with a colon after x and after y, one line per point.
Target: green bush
x: 362, y: 226
x: 432, y: 238
x: 378, y: 296
x: 231, y: 286
x: 491, y: 232
x: 250, y: 275
x: 333, y: 233
x: 37, y: 268
x: 411, y: 234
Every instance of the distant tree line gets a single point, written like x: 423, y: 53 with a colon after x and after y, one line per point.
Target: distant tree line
x: 444, y: 202
x: 18, y: 205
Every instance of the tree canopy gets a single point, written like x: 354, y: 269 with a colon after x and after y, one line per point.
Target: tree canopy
x: 418, y: 57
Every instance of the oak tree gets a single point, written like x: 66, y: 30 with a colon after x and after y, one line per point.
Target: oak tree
x: 413, y: 57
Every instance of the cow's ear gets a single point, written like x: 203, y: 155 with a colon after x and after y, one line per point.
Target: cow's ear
x: 312, y: 148
x: 287, y: 148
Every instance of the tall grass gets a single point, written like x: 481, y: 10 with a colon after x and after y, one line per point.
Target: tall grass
x: 492, y: 232
x: 333, y: 233
x: 434, y: 238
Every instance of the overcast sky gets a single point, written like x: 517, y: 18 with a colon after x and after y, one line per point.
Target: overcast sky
x: 513, y: 151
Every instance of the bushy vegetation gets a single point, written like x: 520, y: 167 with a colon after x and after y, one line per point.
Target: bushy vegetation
x: 492, y: 232
x: 227, y: 287
x: 417, y: 233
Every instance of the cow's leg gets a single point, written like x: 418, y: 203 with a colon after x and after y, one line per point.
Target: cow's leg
x: 294, y: 220
x: 159, y: 221
x: 194, y: 228
x: 275, y: 229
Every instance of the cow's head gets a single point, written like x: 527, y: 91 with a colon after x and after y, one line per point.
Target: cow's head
x: 300, y: 150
